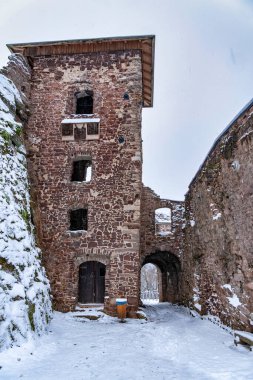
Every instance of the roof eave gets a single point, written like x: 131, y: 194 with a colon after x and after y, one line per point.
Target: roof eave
x: 145, y: 43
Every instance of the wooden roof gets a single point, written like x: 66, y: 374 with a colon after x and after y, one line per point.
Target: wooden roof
x: 146, y: 44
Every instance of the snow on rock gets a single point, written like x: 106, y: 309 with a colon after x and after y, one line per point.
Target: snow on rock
x: 235, y: 165
x: 216, y: 213
x: 217, y: 216
x: 192, y: 223
x: 25, y: 305
x: 196, y: 293
x: 234, y: 300
x: 191, y: 219
x: 163, y: 215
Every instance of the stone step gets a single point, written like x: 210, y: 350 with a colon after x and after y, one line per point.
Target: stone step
x: 88, y: 305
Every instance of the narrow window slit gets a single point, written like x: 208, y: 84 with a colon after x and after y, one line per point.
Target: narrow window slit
x: 79, y: 220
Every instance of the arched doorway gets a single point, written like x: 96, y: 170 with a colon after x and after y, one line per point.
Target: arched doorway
x: 91, y: 282
x: 151, y: 283
x: 170, y: 268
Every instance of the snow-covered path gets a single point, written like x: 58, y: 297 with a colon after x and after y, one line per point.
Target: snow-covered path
x: 170, y: 345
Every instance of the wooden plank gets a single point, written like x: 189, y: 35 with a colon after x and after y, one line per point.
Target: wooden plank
x: 72, y: 48
x: 244, y: 339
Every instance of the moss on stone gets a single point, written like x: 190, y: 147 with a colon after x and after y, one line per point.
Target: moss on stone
x: 6, y: 136
x: 19, y: 131
x: 7, y: 267
x: 31, y: 311
x: 25, y: 215
x: 228, y: 148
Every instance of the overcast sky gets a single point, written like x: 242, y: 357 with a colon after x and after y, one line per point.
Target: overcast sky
x: 203, y: 68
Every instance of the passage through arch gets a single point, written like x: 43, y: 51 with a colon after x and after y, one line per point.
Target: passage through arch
x: 170, y: 268
x: 91, y: 282
x: 151, y: 283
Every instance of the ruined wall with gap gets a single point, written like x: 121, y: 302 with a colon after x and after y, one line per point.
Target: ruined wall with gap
x: 165, y: 251
x: 218, y: 259
x: 150, y: 240
x: 113, y: 194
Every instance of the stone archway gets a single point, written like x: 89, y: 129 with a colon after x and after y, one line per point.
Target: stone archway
x: 170, y: 268
x: 151, y: 283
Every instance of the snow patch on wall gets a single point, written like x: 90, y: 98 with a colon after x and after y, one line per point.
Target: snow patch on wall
x: 196, y: 292
x: 234, y: 300
x: 216, y: 213
x: 192, y: 222
x: 25, y: 305
x: 235, y: 165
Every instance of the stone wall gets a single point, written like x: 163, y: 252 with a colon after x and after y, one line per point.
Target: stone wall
x: 205, y: 261
x: 112, y: 196
x: 218, y: 260
x: 164, y: 251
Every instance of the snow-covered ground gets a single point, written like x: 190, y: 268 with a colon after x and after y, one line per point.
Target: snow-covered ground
x: 169, y: 345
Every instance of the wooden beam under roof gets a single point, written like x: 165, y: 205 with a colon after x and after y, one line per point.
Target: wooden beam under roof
x: 146, y: 44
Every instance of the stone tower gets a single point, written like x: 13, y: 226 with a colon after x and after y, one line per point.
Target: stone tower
x: 85, y: 162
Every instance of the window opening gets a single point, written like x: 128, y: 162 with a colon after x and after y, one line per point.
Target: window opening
x: 84, y: 103
x: 80, y: 129
x: 79, y: 220
x: 80, y: 133
x: 163, y: 221
x: 81, y: 171
x: 121, y: 139
x: 92, y: 129
x: 67, y: 129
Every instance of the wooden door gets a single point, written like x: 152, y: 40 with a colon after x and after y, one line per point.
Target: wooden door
x: 91, y: 282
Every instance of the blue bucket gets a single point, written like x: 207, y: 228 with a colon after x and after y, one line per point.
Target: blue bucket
x: 121, y: 301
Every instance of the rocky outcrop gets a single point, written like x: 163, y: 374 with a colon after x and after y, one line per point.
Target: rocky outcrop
x: 25, y: 305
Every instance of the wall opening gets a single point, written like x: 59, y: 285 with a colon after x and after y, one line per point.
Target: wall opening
x: 91, y: 282
x: 80, y: 132
x: 67, y: 131
x: 72, y: 131
x: 81, y: 170
x: 163, y: 221
x: 84, y: 103
x: 170, y: 271
x: 151, y: 281
x: 79, y: 220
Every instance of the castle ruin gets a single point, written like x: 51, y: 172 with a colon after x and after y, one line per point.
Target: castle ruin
x: 95, y: 220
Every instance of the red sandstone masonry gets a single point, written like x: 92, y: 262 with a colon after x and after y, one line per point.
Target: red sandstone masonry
x: 164, y: 251
x: 219, y: 240
x: 150, y: 242
x: 217, y: 248
x: 112, y: 196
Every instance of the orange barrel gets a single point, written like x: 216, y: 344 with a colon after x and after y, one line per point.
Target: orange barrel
x: 121, y: 308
